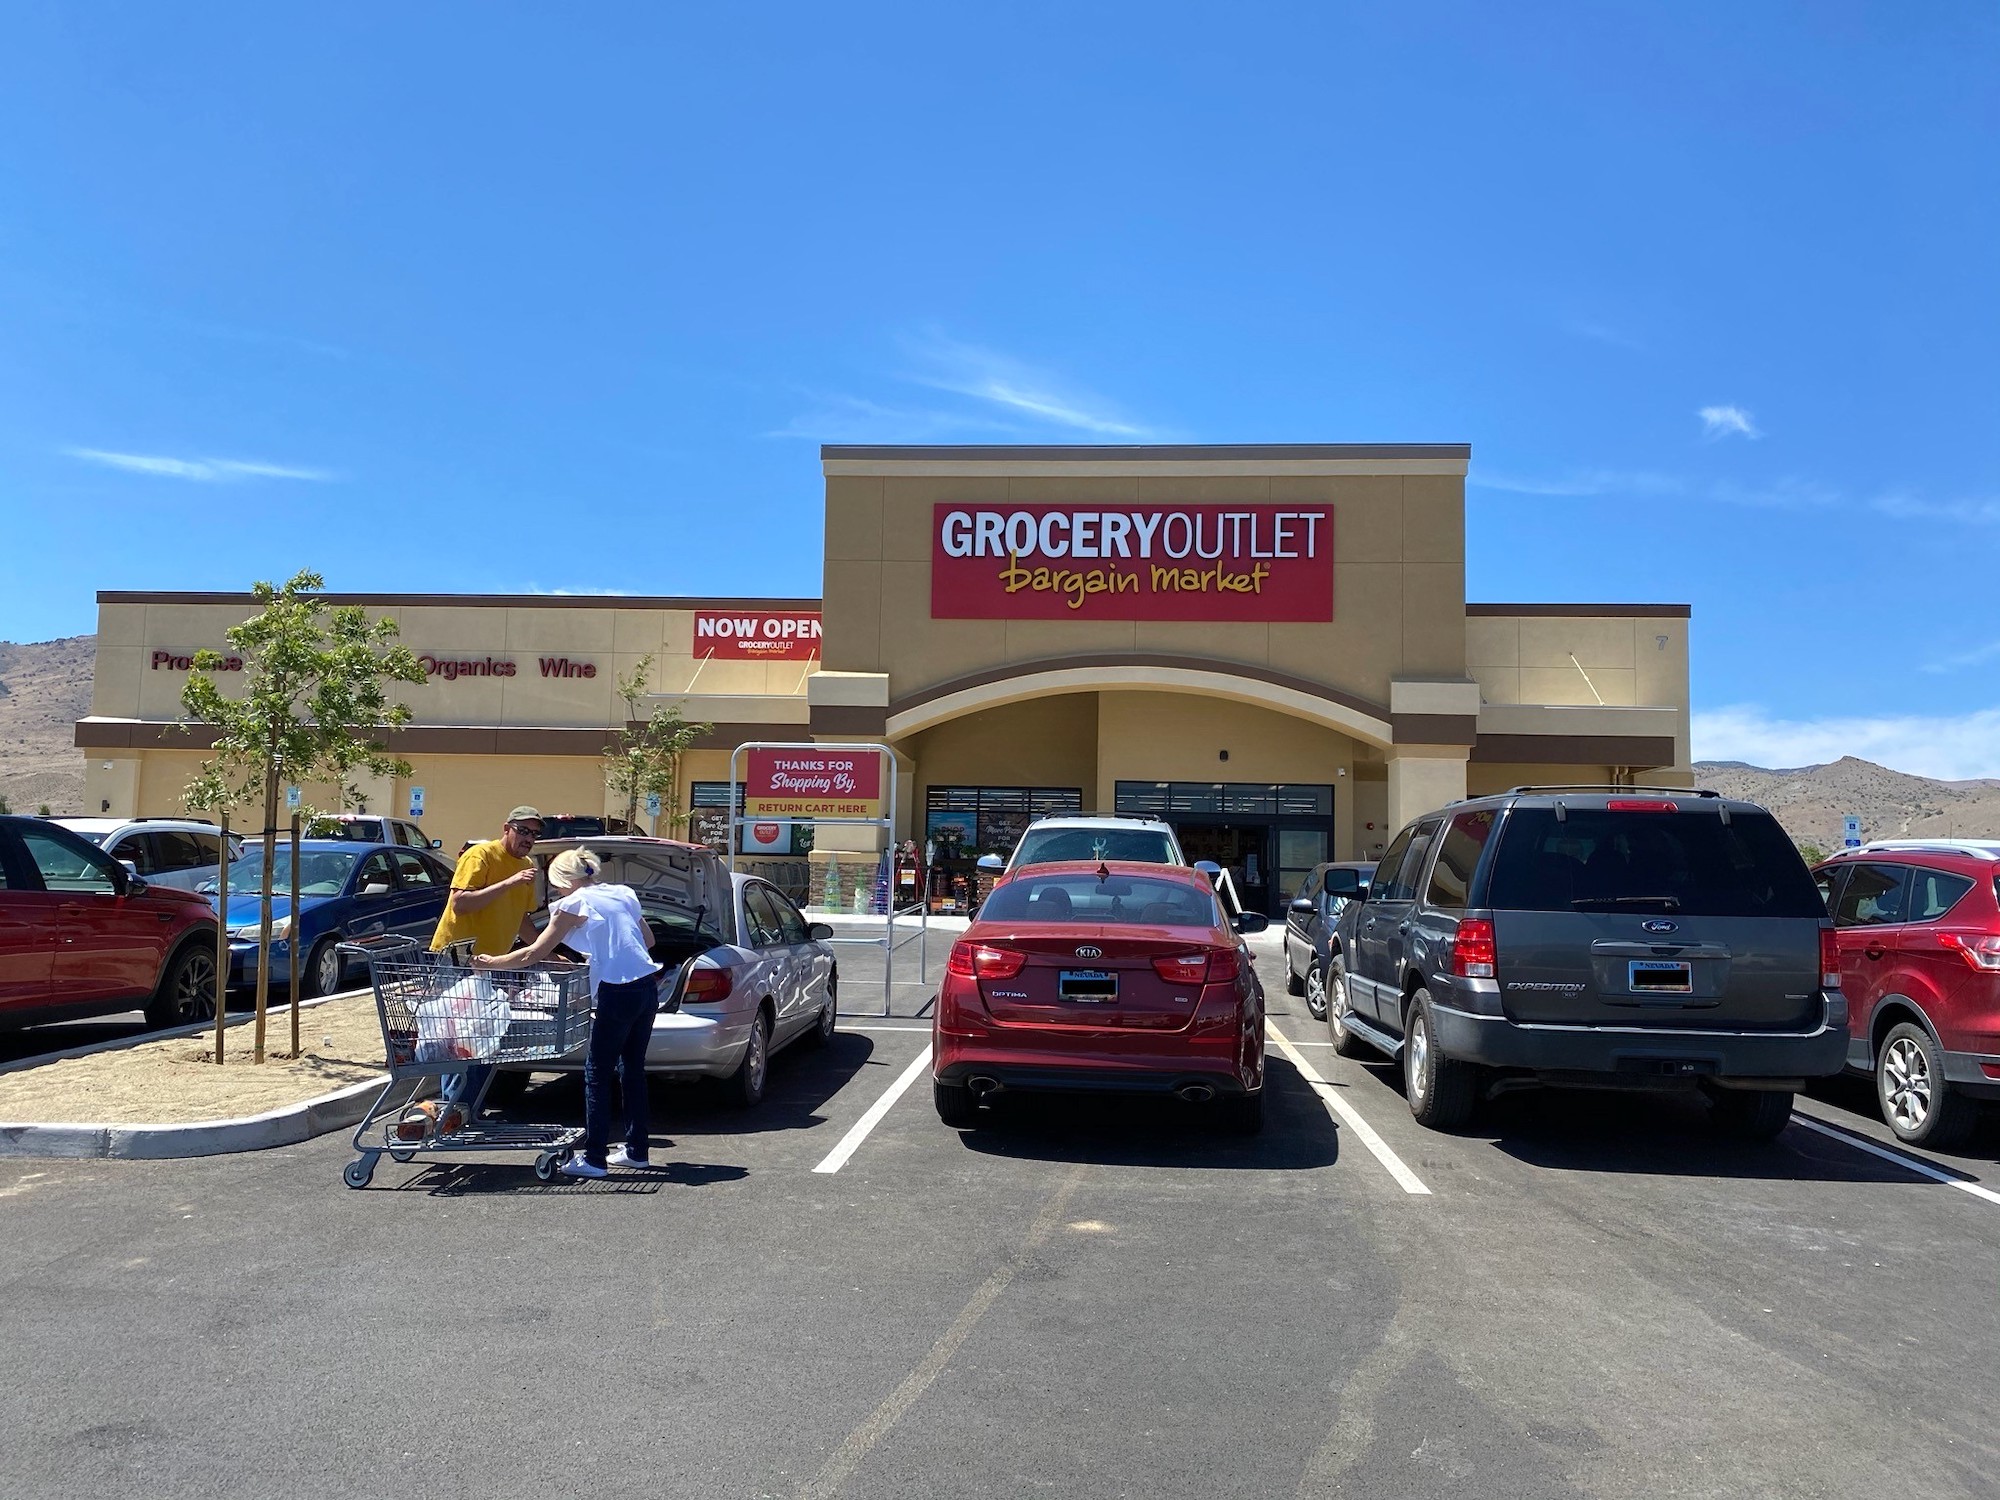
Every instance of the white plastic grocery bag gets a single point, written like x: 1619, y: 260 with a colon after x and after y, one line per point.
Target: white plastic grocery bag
x: 466, y: 1022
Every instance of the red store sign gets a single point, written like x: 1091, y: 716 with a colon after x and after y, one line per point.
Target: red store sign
x: 755, y: 637
x: 1132, y: 562
x: 809, y: 783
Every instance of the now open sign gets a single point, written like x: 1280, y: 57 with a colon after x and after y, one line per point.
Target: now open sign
x: 741, y: 636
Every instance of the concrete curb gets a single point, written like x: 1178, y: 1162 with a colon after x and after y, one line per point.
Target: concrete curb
x: 279, y: 1127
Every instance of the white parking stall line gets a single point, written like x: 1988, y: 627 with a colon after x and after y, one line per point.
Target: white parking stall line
x: 851, y: 1142
x: 1921, y: 1168
x: 1345, y: 1113
x: 853, y: 1026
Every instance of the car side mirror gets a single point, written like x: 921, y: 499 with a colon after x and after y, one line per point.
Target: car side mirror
x: 1344, y: 883
x: 437, y: 843
x: 819, y: 932
x: 992, y: 864
x: 1247, y: 922
x: 1303, y: 907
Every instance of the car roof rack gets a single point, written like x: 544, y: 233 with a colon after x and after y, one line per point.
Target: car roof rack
x: 168, y: 818
x: 1100, y: 817
x: 1603, y: 786
x: 1974, y: 848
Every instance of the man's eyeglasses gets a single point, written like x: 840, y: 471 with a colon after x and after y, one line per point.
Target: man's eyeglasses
x: 531, y: 832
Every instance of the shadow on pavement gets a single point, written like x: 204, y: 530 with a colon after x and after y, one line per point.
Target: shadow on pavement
x: 35, y: 1041
x: 1856, y: 1097
x: 488, y: 1178
x: 1142, y: 1130
x: 801, y: 1079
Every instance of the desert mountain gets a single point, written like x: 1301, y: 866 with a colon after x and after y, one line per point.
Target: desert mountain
x: 1812, y: 801
x: 44, y: 690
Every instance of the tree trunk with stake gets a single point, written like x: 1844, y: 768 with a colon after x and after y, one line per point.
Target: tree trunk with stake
x: 221, y: 939
x: 292, y: 947
x: 264, y: 904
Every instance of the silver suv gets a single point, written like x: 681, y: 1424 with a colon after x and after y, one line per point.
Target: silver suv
x: 178, y: 852
x: 1061, y: 839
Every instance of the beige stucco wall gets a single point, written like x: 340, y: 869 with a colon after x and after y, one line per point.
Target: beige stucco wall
x: 1398, y: 579
x: 1047, y: 742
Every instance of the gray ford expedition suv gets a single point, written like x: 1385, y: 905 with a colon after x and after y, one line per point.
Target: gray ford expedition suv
x: 1598, y: 938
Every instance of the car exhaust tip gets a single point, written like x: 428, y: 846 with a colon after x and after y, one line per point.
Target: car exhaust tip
x: 1195, y: 1093
x: 982, y: 1086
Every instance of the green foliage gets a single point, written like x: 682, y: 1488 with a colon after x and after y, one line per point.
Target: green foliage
x: 1812, y: 854
x: 42, y: 811
x: 313, y: 687
x: 645, y: 758
x: 4, y: 808
x: 313, y: 677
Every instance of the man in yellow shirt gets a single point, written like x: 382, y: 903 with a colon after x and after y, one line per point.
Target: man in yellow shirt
x: 493, y: 890
x: 492, y: 893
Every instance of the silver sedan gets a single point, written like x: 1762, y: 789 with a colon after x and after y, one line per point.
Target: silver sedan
x: 743, y: 973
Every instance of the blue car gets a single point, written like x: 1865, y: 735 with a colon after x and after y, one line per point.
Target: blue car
x: 346, y: 890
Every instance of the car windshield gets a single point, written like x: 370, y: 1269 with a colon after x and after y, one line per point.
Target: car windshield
x: 321, y: 873
x: 1122, y: 900
x: 90, y: 837
x: 1054, y: 846
x: 1690, y: 863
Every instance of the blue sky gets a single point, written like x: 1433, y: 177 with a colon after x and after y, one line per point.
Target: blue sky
x: 520, y: 298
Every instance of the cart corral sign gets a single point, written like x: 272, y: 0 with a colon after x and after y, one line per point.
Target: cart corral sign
x: 785, y: 783
x: 1132, y: 562
x: 788, y: 636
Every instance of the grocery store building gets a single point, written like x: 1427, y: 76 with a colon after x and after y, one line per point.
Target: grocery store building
x: 1269, y: 646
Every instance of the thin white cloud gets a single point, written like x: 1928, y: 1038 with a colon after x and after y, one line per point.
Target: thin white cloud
x: 1906, y: 507
x: 966, y: 370
x: 1727, y: 421
x: 1586, y: 482
x: 1957, y: 747
x: 1603, y: 333
x: 201, y: 470
x: 851, y: 419
x: 1977, y: 656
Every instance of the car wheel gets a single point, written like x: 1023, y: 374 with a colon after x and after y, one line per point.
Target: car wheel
x: 1750, y: 1114
x: 1339, y: 1006
x: 1294, y: 985
x: 187, y: 989
x: 955, y: 1105
x: 1442, y: 1090
x: 1314, y: 989
x: 746, y: 1084
x: 1916, y: 1102
x: 324, y: 969
x: 829, y: 1016
x: 1241, y: 1114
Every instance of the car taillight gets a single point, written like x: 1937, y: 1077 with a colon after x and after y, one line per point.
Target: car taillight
x: 1641, y: 804
x: 1212, y: 966
x: 981, y: 961
x: 1980, y: 949
x: 1829, y: 959
x: 1472, y: 951
x: 706, y: 985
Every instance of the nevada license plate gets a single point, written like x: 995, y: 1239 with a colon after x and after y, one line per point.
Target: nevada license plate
x: 1088, y: 986
x: 1655, y: 976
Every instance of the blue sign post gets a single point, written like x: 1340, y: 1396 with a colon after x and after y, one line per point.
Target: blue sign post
x: 416, y: 802
x: 1850, y: 833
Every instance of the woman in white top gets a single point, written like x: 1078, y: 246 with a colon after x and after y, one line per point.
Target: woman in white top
x: 605, y: 924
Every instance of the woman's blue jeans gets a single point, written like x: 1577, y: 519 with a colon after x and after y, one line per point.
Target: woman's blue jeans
x: 619, y: 1034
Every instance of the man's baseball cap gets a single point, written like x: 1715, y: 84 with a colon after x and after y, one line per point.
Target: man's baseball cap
x: 524, y: 815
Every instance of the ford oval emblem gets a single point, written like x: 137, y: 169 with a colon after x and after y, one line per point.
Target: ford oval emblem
x: 1088, y: 951
x: 1659, y: 926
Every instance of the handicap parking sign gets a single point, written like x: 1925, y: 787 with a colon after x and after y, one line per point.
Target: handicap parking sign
x: 652, y: 804
x: 1851, y: 833
x: 416, y: 802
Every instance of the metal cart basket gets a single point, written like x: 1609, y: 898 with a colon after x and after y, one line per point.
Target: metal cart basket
x: 442, y: 1019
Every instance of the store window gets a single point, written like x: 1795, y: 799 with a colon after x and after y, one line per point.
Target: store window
x: 708, y: 823
x: 963, y: 822
x: 1222, y: 799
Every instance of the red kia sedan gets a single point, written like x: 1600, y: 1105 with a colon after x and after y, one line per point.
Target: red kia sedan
x: 1116, y: 977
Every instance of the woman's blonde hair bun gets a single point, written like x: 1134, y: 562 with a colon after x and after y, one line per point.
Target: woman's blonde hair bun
x: 574, y: 867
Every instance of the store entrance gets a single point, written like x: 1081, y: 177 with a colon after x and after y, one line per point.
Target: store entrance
x: 1268, y: 837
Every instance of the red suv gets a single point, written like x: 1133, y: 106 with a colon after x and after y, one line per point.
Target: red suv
x: 82, y: 936
x: 1114, y: 976
x: 1918, y: 922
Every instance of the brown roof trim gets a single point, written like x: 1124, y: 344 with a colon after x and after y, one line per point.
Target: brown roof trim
x: 475, y: 601
x: 1435, y: 729
x: 435, y: 739
x: 852, y: 721
x: 1134, y: 452
x: 1638, y: 750
x: 1582, y: 611
x: 1139, y: 659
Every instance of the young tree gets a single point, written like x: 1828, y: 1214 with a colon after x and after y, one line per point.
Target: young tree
x: 312, y: 680
x: 645, y: 759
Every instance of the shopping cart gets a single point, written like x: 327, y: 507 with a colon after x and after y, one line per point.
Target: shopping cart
x: 441, y: 1019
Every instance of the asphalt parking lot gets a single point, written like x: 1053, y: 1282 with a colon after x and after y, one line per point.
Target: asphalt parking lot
x: 835, y: 1295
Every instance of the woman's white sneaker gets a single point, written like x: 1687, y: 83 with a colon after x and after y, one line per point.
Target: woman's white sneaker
x: 623, y: 1160
x: 576, y: 1166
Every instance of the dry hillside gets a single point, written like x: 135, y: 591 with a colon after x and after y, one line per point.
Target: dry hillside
x: 1811, y: 801
x: 44, y: 690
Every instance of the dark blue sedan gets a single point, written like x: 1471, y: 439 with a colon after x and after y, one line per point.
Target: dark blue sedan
x: 346, y: 891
